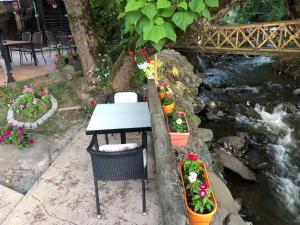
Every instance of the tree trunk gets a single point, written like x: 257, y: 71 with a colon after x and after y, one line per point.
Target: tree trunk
x: 292, y: 9
x: 88, y: 42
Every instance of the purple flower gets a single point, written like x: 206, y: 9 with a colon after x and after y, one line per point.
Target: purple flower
x: 30, y: 141
x: 1, y: 138
x: 24, y: 106
x: 13, y: 101
x: 19, y: 136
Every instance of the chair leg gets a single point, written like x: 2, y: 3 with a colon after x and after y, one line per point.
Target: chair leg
x: 144, y: 197
x: 97, y: 198
x: 123, y: 138
x: 43, y: 56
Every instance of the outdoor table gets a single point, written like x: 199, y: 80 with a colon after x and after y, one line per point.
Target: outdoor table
x: 9, y: 43
x: 119, y: 118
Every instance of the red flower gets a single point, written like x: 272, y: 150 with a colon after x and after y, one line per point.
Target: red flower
x: 92, y: 102
x: 133, y: 59
x: 148, y: 60
x: 143, y: 52
x: 30, y: 141
x: 192, y: 156
x: 131, y: 53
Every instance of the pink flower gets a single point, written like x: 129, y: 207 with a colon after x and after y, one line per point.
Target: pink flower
x: 203, y: 186
x: 133, y: 59
x: 35, y: 101
x: 45, y: 106
x: 130, y: 53
x: 20, y: 129
x: 13, y: 101
x: 202, y: 193
x: 1, y: 138
x: 19, y: 136
x: 30, y: 141
x: 192, y: 156
x: 168, y: 96
x: 20, y: 143
x: 6, y: 133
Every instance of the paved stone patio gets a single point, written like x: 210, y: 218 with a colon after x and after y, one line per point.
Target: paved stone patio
x: 27, y: 70
x: 65, y: 193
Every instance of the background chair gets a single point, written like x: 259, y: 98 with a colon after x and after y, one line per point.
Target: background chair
x: 123, y: 97
x: 123, y: 164
x: 37, y: 44
x: 51, y: 42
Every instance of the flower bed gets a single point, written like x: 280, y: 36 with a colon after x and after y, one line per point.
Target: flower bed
x: 200, y: 201
x: 36, y: 102
x: 15, y: 135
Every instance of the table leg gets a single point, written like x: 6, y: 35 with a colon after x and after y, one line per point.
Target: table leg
x: 96, y: 141
x: 123, y: 138
x: 33, y: 54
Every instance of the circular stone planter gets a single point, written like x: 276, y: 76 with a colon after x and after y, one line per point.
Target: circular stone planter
x: 11, y: 120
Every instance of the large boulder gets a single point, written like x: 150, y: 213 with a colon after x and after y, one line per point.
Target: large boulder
x: 21, y: 168
x: 296, y: 91
x: 234, y: 164
x: 235, y: 142
x: 235, y: 219
x: 206, y: 135
x: 226, y: 205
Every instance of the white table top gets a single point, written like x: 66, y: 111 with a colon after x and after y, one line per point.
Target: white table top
x: 127, y: 117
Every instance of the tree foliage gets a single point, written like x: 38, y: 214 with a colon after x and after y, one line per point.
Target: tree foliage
x: 256, y: 11
x: 157, y: 21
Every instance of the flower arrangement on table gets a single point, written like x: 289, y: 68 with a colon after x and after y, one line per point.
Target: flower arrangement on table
x: 167, y: 102
x: 62, y: 60
x: 102, y: 73
x: 200, y: 201
x: 15, y: 135
x: 90, y: 106
x: 34, y: 101
x: 140, y: 57
x: 178, y: 129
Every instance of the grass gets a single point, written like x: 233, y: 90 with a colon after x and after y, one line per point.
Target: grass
x: 66, y: 95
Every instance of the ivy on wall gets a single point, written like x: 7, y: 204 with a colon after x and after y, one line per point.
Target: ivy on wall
x: 156, y: 21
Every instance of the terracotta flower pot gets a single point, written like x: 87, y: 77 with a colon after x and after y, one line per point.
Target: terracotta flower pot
x: 168, y: 108
x: 179, y: 139
x: 196, y: 218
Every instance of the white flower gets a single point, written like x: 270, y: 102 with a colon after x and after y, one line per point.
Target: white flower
x: 179, y: 121
x: 192, y: 177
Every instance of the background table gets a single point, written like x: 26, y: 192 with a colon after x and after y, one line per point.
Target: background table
x: 120, y: 118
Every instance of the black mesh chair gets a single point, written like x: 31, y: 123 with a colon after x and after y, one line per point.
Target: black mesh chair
x: 51, y: 42
x: 63, y: 41
x: 129, y: 97
x: 37, y: 43
x: 26, y: 36
x: 120, y: 165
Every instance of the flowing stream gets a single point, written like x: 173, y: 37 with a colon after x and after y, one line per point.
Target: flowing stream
x: 249, y: 83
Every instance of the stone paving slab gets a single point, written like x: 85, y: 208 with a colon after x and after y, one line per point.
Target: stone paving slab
x: 65, y: 194
x: 8, y: 200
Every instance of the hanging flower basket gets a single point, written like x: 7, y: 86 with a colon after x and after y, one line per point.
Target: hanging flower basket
x: 178, y: 128
x: 202, y: 199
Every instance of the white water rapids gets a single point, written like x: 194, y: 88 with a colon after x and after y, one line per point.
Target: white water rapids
x: 285, y: 175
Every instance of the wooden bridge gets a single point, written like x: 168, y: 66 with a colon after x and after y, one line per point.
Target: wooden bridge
x: 273, y: 38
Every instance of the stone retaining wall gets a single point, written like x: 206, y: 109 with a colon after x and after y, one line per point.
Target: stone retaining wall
x: 169, y: 188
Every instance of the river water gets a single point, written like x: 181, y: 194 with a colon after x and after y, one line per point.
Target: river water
x: 249, y: 82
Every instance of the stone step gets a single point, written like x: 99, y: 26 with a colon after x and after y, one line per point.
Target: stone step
x: 8, y: 200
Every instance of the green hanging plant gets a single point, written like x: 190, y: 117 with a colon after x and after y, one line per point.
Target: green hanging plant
x: 155, y: 21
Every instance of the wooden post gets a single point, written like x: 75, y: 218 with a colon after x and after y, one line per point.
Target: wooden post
x: 155, y: 69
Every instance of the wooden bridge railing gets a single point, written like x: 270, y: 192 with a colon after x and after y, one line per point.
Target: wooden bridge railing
x: 252, y: 39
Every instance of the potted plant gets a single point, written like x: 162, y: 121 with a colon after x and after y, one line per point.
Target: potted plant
x: 167, y: 102
x: 140, y: 57
x: 200, y: 202
x: 178, y: 129
x: 162, y: 89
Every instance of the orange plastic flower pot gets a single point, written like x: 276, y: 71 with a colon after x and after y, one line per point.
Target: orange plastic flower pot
x: 168, y: 108
x: 179, y: 139
x: 196, y: 218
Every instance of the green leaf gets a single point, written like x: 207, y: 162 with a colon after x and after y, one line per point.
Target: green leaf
x: 197, y: 5
x: 133, y: 5
x: 143, y: 22
x: 170, y: 31
x: 163, y: 4
x: 149, y: 10
x: 131, y: 20
x: 212, y: 3
x: 206, y: 13
x: 158, y: 46
x: 159, y: 21
x: 140, y: 42
x: 154, y: 33
x: 183, y: 19
x: 168, y: 12
x: 183, y: 5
